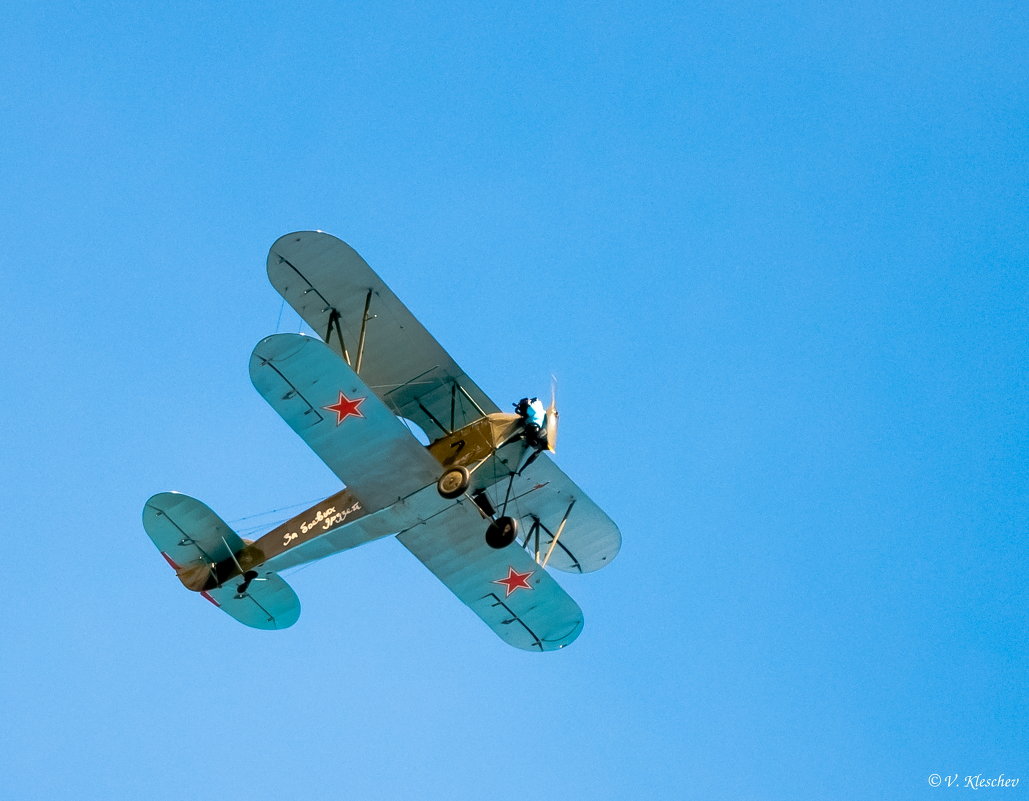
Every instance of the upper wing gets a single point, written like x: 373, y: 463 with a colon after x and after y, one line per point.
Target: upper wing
x: 512, y: 594
x: 340, y: 296
x: 336, y: 414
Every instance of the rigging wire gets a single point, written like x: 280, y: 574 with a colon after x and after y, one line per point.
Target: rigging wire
x: 289, y: 572
x: 265, y: 526
x: 278, y: 323
x: 236, y: 520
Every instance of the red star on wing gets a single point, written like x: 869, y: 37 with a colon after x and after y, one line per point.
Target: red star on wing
x: 345, y: 407
x: 515, y: 580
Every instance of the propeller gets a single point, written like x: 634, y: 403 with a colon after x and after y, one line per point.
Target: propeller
x: 550, y: 429
x: 552, y: 415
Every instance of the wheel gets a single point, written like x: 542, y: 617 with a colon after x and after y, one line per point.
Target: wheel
x: 501, y: 532
x: 454, y: 482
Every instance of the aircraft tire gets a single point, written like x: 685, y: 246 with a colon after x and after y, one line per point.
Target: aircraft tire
x: 501, y: 532
x: 454, y: 482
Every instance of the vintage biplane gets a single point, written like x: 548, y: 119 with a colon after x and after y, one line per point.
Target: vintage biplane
x: 482, y: 505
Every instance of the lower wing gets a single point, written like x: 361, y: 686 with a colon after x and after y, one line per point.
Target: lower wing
x: 505, y: 587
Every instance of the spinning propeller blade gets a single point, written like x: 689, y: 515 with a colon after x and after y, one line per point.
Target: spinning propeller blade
x: 552, y: 417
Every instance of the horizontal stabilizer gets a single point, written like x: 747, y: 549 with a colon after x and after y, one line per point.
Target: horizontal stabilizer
x: 268, y: 603
x: 196, y: 543
x: 187, y: 532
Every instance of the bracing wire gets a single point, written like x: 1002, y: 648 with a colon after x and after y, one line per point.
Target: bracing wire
x: 278, y: 323
x: 238, y: 520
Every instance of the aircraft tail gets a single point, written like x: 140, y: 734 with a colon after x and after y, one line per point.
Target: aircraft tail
x: 210, y: 558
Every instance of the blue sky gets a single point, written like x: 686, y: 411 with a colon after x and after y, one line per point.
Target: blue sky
x: 776, y: 255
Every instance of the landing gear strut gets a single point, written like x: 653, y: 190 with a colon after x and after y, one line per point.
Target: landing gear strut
x: 501, y: 532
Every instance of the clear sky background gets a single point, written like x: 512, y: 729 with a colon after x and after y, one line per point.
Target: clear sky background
x: 777, y: 256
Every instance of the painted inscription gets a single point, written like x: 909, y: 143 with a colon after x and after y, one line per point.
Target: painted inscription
x: 322, y: 521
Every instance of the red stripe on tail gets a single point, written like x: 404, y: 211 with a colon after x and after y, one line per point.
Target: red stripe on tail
x: 170, y: 561
x: 207, y: 595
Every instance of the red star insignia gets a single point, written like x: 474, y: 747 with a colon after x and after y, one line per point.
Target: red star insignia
x: 515, y: 580
x: 345, y: 407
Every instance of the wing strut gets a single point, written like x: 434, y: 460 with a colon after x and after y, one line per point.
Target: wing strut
x: 533, y: 536
x: 471, y: 400
x: 557, y: 536
x: 432, y: 417
x: 364, y: 327
x: 334, y: 325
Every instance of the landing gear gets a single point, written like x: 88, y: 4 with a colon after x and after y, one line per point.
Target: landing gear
x: 501, y: 532
x: 454, y: 482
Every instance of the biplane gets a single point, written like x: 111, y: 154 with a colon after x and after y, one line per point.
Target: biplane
x: 483, y: 506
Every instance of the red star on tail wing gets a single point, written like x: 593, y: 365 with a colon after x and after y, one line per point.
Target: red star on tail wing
x: 515, y: 580
x: 345, y: 407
